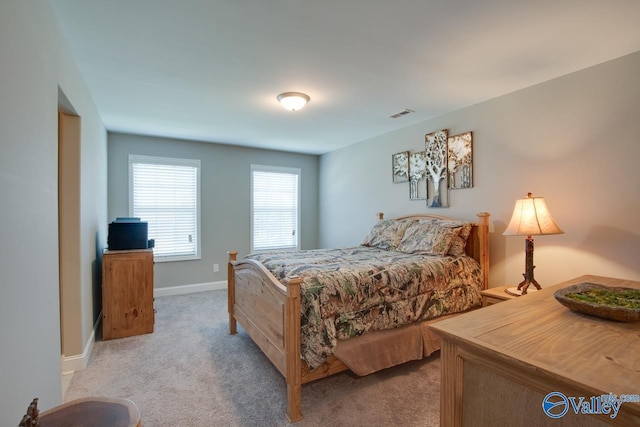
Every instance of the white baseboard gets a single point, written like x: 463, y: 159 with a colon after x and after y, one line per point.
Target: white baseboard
x: 189, y: 289
x: 78, y: 362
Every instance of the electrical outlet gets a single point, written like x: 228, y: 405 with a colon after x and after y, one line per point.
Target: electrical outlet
x: 216, y: 268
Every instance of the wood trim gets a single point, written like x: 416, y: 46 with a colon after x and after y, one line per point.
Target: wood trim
x: 331, y: 366
x: 293, y: 374
x: 482, y: 252
x: 450, y: 389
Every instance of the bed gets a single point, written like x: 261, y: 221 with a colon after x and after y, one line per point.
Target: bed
x: 320, y: 312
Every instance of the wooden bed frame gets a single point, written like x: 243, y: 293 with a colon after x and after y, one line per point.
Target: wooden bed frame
x: 270, y: 313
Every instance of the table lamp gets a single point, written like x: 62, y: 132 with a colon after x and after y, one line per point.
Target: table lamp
x: 530, y: 217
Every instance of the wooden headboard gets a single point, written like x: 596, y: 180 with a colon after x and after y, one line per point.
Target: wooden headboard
x: 477, y: 243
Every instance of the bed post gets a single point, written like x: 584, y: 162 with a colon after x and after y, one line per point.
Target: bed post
x: 292, y: 350
x: 483, y: 241
x: 231, y: 291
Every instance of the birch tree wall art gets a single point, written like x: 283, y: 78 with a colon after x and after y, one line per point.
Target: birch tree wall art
x: 436, y: 165
x: 400, y: 167
x: 417, y: 176
x: 460, y: 161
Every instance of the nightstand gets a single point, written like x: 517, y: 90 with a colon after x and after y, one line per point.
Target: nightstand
x: 495, y: 295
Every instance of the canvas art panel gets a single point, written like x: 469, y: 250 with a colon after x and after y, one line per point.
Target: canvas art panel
x: 418, y: 176
x: 436, y: 169
x: 400, y: 167
x: 460, y: 162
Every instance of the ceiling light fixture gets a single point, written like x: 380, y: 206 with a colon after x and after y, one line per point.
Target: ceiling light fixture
x: 293, y: 101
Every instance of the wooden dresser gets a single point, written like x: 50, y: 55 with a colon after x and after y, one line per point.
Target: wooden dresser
x: 500, y: 362
x: 127, y: 293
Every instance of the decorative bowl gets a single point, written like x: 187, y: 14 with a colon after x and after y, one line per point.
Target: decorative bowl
x: 611, y: 311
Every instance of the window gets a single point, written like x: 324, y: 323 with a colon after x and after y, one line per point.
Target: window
x: 275, y: 195
x: 165, y: 192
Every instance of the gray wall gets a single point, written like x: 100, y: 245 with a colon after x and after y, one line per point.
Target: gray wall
x: 574, y: 140
x: 225, y: 181
x: 35, y: 64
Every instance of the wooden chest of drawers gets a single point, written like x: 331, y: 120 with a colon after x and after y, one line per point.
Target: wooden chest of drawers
x: 500, y: 363
x: 127, y: 293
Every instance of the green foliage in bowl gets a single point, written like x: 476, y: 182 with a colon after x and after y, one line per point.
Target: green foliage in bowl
x: 628, y: 298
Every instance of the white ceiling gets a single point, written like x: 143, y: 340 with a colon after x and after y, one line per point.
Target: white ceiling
x: 210, y: 70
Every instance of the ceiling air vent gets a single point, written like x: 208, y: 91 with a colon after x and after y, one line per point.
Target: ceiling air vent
x: 401, y: 113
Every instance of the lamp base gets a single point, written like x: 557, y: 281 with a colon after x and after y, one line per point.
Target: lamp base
x: 518, y: 292
x: 528, y: 271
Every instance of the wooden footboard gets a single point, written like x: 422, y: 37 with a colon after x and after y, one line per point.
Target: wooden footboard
x: 270, y: 313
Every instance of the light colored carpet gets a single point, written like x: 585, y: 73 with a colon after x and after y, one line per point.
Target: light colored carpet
x: 191, y: 372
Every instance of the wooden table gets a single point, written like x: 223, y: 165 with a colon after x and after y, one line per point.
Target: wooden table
x: 499, y: 363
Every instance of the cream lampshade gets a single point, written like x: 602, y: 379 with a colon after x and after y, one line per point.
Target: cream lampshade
x: 530, y: 217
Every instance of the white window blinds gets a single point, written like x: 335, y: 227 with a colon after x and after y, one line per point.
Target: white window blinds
x: 274, y: 208
x: 165, y: 193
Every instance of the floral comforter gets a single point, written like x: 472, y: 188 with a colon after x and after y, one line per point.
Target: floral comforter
x: 346, y: 292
